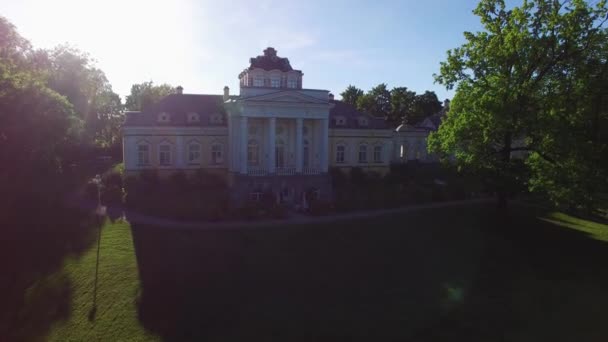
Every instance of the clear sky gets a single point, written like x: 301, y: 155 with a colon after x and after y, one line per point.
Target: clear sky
x: 203, y: 45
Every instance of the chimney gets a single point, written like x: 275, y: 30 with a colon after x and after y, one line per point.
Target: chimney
x: 446, y: 105
x: 331, y: 97
x: 180, y: 90
x: 226, y: 93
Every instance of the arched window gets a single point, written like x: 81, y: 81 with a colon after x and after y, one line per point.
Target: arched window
x: 193, y: 117
x: 143, y: 153
x: 403, y: 152
x: 305, y: 154
x: 258, y: 81
x: 378, y: 154
x: 194, y: 153
x: 292, y: 82
x: 216, y: 118
x: 164, y: 154
x: 253, y: 153
x: 217, y: 151
x: 275, y: 81
x: 363, y: 153
x: 163, y: 117
x: 279, y: 155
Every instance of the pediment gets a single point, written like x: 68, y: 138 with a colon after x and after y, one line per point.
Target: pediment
x: 286, y: 97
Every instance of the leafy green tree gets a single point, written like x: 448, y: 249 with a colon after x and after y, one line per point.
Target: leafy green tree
x: 73, y: 74
x: 377, y: 101
x: 425, y: 105
x: 531, y: 85
x: 146, y: 93
x: 351, y: 95
x: 402, y: 104
x: 36, y: 124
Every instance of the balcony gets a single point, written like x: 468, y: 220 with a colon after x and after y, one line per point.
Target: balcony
x: 286, y: 171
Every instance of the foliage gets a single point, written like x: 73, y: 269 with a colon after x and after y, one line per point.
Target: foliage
x: 534, y: 82
x: 376, y: 102
x: 393, y: 105
x: 351, y: 94
x: 144, y: 94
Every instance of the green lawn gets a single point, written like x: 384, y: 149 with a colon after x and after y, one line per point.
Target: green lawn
x: 462, y: 273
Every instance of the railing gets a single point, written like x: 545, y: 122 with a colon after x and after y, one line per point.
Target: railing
x: 286, y: 171
x: 257, y: 171
x: 310, y: 171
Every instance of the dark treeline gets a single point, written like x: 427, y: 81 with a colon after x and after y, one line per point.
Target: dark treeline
x: 393, y: 104
x: 57, y: 108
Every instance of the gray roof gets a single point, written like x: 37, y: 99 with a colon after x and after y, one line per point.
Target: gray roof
x: 178, y: 105
x: 351, y: 114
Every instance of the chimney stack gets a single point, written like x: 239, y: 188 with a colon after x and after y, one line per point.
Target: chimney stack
x: 226, y: 93
x: 446, y: 105
x: 180, y: 90
x: 331, y: 97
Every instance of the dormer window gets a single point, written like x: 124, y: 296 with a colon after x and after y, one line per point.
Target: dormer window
x: 292, y: 83
x: 216, y: 118
x: 193, y: 117
x: 275, y: 82
x: 363, y: 121
x: 163, y: 117
x: 258, y: 81
x: 340, y: 121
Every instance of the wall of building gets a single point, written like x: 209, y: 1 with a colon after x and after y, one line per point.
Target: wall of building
x: 352, y: 139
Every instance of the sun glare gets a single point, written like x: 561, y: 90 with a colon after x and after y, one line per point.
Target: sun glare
x: 133, y: 40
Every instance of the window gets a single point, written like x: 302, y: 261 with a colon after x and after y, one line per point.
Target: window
x: 216, y: 153
x: 378, y: 154
x: 362, y: 153
x: 340, y: 121
x: 403, y: 152
x: 164, y: 155
x: 163, y: 117
x: 258, y: 82
x: 143, y: 154
x: 340, y: 154
x: 216, y: 118
x: 305, y: 130
x: 253, y: 153
x: 256, y: 196
x: 292, y: 83
x: 193, y: 117
x: 275, y: 82
x: 194, y: 153
x: 306, y: 154
x: 363, y: 121
x: 279, y: 154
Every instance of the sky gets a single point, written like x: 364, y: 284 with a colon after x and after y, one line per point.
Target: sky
x: 203, y: 45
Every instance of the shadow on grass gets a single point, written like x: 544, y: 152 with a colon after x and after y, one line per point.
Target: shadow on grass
x: 34, y: 291
x: 442, y: 274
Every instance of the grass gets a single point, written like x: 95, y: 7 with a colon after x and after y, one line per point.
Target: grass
x: 461, y: 273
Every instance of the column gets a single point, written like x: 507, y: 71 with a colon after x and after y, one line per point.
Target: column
x: 179, y: 151
x: 272, y: 130
x: 324, y: 144
x: 299, y: 146
x: 243, y: 144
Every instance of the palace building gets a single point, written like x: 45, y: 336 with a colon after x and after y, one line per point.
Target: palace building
x: 275, y: 135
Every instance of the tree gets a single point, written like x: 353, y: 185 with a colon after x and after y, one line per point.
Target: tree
x: 376, y: 102
x: 73, y: 74
x: 402, y: 104
x: 146, y: 93
x: 351, y: 95
x: 425, y: 105
x: 36, y: 124
x: 532, y: 83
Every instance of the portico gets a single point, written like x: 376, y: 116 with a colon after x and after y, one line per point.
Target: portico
x: 278, y: 145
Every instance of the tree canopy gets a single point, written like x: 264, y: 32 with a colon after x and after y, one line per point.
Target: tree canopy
x: 531, y: 99
x: 146, y: 93
x: 393, y: 104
